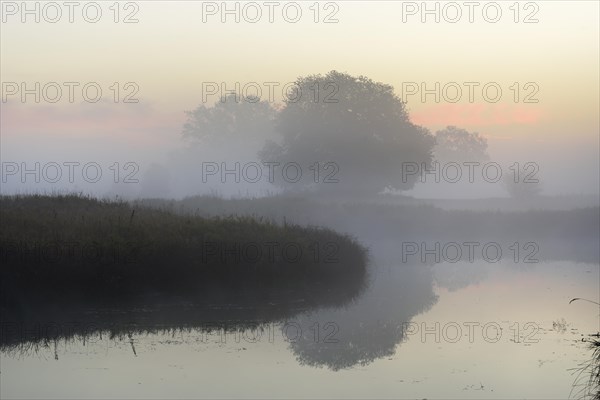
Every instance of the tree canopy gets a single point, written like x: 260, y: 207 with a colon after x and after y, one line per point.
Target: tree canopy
x: 246, y: 120
x: 457, y: 145
x: 360, y: 125
x: 348, y: 135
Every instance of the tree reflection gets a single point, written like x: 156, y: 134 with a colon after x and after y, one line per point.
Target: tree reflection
x: 372, y: 326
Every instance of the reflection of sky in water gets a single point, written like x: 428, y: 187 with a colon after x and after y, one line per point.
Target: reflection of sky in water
x: 189, y: 364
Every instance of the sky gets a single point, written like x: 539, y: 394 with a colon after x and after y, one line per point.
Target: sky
x: 175, y: 48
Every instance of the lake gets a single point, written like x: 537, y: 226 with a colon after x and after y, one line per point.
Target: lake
x: 462, y: 330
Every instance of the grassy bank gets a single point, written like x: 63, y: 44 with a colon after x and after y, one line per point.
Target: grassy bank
x: 74, y: 248
x: 571, y: 234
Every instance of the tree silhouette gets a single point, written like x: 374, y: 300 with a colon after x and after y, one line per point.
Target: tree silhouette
x: 242, y: 121
x: 522, y: 186
x: 457, y: 145
x: 358, y: 126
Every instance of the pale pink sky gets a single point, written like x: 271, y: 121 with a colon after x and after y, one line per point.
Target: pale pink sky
x: 170, y: 53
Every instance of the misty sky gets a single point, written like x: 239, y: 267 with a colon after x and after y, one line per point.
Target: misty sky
x: 170, y: 52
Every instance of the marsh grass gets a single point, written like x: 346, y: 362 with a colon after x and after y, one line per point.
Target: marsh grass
x: 587, y: 374
x: 159, y: 251
x: 561, y: 234
x: 412, y: 218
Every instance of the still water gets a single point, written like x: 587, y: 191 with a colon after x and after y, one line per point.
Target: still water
x: 461, y: 330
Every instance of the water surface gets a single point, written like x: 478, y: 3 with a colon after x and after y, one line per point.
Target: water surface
x: 477, y: 330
